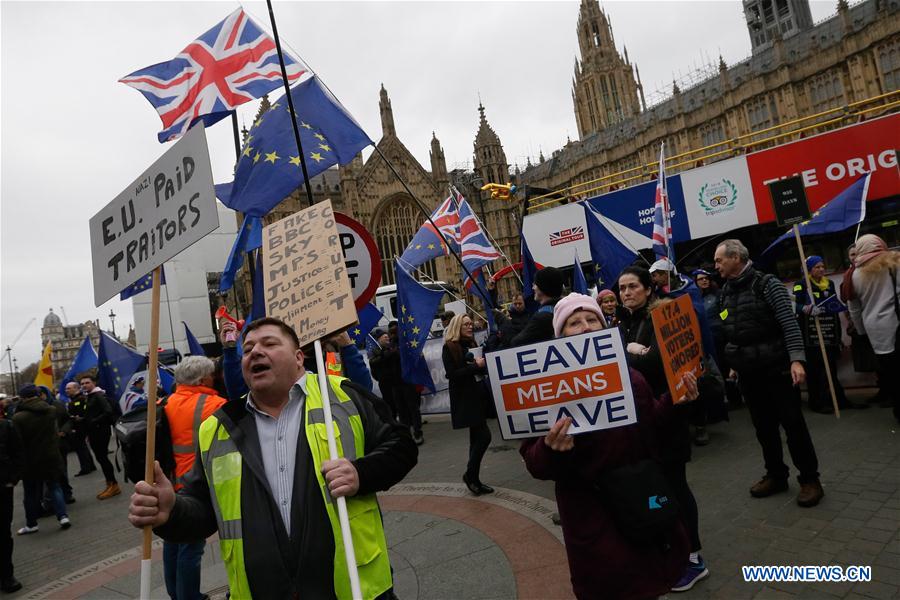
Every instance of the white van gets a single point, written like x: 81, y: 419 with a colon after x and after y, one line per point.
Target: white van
x: 386, y: 302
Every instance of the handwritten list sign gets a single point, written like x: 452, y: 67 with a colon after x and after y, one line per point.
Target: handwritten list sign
x: 305, y: 279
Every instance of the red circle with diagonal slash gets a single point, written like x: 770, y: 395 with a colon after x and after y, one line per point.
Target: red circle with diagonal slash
x: 365, y: 252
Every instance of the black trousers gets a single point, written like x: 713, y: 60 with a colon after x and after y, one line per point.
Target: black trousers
x: 817, y: 378
x: 99, y: 441
x: 79, y: 445
x: 889, y: 377
x: 6, y: 539
x: 408, y: 402
x: 479, y: 440
x: 675, y: 473
x: 774, y: 402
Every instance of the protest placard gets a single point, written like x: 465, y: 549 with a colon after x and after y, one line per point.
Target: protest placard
x: 167, y: 208
x: 678, y: 334
x: 584, y: 377
x: 305, y: 278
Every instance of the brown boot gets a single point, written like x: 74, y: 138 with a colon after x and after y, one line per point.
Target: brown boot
x: 112, y: 490
x: 810, y: 494
x: 103, y: 491
x: 768, y: 486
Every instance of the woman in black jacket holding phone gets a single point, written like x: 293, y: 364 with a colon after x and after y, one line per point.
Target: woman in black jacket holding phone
x: 468, y: 397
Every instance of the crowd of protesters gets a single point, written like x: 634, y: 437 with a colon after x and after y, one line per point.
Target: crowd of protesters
x: 255, y: 403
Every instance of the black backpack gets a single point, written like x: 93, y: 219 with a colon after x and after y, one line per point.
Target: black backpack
x: 131, y: 438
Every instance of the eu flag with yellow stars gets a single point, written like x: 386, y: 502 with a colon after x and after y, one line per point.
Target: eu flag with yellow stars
x: 143, y: 284
x: 368, y: 317
x: 116, y: 366
x: 269, y: 166
x: 417, y: 306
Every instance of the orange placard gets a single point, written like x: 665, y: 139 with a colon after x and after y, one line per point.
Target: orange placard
x: 680, y: 347
x: 562, y: 387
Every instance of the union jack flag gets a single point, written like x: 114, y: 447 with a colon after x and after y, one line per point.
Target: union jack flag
x: 232, y: 63
x: 476, y: 250
x: 662, y: 226
x: 430, y: 242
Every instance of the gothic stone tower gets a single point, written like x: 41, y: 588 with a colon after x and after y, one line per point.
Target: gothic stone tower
x: 604, y: 89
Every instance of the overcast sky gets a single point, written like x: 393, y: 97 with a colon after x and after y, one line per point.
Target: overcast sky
x: 73, y: 138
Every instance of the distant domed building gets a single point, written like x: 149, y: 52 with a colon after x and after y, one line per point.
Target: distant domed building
x: 66, y: 340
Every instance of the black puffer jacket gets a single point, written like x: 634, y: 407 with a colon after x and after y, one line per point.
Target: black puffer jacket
x: 12, y: 455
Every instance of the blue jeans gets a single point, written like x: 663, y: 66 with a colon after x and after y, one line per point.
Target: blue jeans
x: 181, y: 567
x: 33, y: 492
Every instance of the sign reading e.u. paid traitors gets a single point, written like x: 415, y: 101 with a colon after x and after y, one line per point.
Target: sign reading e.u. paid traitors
x: 304, y: 275
x: 167, y: 208
x: 584, y: 377
x: 678, y: 334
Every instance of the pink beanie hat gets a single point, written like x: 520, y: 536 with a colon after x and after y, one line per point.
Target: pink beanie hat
x: 604, y: 293
x: 570, y: 304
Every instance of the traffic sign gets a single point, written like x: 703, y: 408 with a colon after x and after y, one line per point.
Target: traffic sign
x: 361, y: 258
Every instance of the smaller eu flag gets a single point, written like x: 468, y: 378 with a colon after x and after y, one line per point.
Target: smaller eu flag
x: 85, y: 360
x: 841, y: 212
x: 579, y: 283
x: 368, y: 318
x: 417, y: 306
x: 430, y: 242
x: 193, y: 345
x: 248, y: 238
x: 269, y: 168
x: 116, y: 366
x: 143, y: 284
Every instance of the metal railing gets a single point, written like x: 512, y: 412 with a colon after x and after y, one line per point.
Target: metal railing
x: 742, y: 144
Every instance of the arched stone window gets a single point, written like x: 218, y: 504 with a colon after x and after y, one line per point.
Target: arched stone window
x: 396, y: 223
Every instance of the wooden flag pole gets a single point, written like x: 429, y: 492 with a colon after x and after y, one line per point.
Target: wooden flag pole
x: 341, y: 502
x: 812, y: 299
x: 149, y: 457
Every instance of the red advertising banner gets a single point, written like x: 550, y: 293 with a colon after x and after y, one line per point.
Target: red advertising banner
x: 830, y: 162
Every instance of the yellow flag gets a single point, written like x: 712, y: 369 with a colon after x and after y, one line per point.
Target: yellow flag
x: 45, y: 369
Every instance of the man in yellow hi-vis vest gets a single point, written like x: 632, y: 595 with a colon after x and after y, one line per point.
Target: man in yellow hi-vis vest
x: 269, y: 453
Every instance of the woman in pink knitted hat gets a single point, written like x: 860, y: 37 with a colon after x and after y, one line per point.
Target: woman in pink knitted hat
x: 604, y: 562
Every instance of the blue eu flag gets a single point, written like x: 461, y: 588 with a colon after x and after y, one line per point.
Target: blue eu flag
x: 841, y: 212
x: 269, y: 167
x: 193, y: 345
x: 117, y: 365
x: 579, y: 283
x: 417, y: 306
x: 258, y: 307
x: 248, y: 238
x: 142, y: 284
x: 85, y: 360
x: 368, y: 318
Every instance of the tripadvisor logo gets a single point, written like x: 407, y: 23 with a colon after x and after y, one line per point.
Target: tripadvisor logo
x: 717, y: 197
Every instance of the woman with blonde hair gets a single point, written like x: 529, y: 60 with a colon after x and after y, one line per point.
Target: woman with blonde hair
x: 874, y: 306
x: 468, y: 396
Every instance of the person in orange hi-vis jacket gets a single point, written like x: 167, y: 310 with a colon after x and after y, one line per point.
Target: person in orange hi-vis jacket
x: 194, y: 400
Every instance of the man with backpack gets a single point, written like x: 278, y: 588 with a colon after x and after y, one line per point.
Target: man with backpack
x: 763, y: 343
x: 193, y: 401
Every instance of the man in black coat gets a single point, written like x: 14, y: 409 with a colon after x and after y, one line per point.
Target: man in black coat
x: 12, y: 461
x: 99, y: 417
x: 78, y: 439
x: 548, y: 287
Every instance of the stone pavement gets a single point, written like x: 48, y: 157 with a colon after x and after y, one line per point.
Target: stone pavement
x: 444, y: 543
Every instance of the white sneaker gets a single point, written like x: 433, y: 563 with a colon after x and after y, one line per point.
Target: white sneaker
x: 65, y: 523
x: 26, y: 530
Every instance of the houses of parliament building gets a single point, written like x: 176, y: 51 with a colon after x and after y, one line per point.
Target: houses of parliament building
x: 797, y: 71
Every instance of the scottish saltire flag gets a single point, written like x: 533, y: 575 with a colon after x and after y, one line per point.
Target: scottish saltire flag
x: 248, y: 238
x: 417, y: 306
x: 269, y: 166
x: 368, y: 317
x: 579, y: 283
x: 194, y: 346
x: 662, y: 226
x: 232, y: 63
x: 116, y: 365
x: 143, y: 284
x: 430, y: 242
x: 844, y: 210
x: 258, y: 305
x: 85, y: 359
x: 612, y: 247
